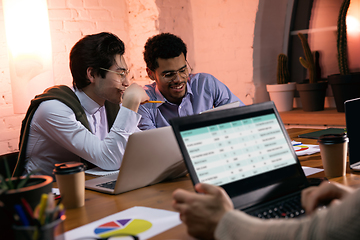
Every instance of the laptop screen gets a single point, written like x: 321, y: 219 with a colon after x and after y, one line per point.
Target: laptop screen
x: 245, y: 150
x: 227, y: 152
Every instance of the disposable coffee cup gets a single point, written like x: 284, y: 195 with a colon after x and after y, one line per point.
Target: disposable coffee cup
x: 70, y: 178
x: 333, y: 151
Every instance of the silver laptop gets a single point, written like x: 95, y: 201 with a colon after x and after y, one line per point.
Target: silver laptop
x: 352, y: 116
x: 150, y: 157
x: 222, y: 107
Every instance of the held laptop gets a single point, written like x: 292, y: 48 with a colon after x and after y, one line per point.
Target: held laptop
x: 247, y: 151
x: 150, y: 157
x: 352, y: 117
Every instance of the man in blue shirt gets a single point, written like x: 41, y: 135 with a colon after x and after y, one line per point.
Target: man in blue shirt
x: 182, y: 93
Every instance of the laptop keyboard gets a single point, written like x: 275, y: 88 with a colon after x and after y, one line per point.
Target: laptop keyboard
x: 289, y: 208
x: 110, y: 185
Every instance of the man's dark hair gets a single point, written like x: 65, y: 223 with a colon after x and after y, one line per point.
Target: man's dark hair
x: 164, y: 45
x: 97, y: 50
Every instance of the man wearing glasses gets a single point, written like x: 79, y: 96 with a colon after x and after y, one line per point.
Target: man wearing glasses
x: 180, y: 92
x: 86, y: 122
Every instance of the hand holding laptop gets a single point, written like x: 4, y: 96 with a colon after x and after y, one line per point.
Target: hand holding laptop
x: 202, y: 212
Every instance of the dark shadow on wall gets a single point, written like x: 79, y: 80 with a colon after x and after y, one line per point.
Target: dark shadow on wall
x: 268, y: 43
x: 176, y: 17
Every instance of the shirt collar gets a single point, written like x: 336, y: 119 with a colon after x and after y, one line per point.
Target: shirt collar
x: 87, y: 103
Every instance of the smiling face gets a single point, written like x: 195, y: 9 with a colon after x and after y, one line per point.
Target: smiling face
x: 173, y: 88
x: 110, y: 88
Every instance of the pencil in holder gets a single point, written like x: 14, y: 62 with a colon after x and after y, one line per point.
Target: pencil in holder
x: 51, y: 231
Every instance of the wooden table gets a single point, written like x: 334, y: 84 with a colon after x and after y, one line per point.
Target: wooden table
x: 327, y: 117
x: 99, y: 205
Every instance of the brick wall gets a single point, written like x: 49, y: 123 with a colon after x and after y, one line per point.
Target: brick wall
x: 219, y: 35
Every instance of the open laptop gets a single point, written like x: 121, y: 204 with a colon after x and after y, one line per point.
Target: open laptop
x: 352, y: 117
x: 150, y: 157
x: 222, y: 107
x: 247, y: 151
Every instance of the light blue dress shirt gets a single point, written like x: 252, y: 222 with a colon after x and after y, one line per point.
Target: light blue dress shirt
x: 204, y: 92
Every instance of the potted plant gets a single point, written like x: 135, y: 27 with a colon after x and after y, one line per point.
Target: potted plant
x: 312, y: 91
x: 345, y: 85
x: 14, y: 190
x: 282, y: 93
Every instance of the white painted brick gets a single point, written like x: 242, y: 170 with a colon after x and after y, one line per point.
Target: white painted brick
x: 4, y: 147
x: 116, y: 27
x: 81, y: 14
x: 7, y: 97
x: 79, y: 26
x: 56, y: 4
x: 75, y: 4
x: 91, y: 3
x: 6, y: 111
x: 99, y: 15
x: 9, y: 134
x: 219, y: 35
x: 14, y: 122
x: 60, y: 14
x: 113, y: 4
x: 55, y: 25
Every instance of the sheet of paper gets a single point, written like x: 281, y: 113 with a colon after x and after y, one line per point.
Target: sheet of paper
x: 306, y: 149
x: 310, y: 171
x: 99, y: 172
x: 141, y: 221
x: 56, y: 191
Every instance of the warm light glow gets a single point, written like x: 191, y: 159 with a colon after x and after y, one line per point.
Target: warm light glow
x: 353, y: 35
x: 353, y: 17
x: 29, y: 44
x: 352, y: 24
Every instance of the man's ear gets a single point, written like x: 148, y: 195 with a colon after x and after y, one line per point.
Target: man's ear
x: 90, y: 74
x: 151, y: 74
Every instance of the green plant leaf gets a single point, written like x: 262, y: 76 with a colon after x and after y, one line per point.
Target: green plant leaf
x: 3, y: 186
x: 24, y: 181
x: 8, y: 175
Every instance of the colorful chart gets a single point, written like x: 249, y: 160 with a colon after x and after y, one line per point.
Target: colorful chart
x: 128, y: 226
x: 300, y: 148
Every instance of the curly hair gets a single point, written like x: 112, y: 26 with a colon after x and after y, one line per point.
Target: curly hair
x: 164, y: 45
x: 97, y: 50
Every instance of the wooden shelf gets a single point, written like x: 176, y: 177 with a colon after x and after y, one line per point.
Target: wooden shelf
x: 328, y: 117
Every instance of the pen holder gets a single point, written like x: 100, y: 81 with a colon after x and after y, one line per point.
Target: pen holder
x: 50, y: 231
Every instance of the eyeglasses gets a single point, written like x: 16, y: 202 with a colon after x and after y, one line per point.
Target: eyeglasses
x: 113, y: 237
x: 171, y: 75
x: 122, y: 73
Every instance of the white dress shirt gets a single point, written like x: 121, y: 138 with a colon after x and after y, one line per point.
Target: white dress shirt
x: 56, y: 136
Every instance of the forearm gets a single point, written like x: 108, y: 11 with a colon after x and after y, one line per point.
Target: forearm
x: 337, y: 222
x: 146, y: 122
x: 108, y: 154
x: 58, y: 123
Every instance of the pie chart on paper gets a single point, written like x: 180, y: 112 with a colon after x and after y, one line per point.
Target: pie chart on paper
x: 128, y: 226
x: 300, y: 148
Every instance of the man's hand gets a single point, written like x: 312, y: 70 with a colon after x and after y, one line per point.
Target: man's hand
x: 325, y: 193
x: 202, y: 212
x: 133, y: 96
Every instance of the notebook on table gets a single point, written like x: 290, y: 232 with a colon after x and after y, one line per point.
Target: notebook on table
x: 150, y: 157
x: 352, y: 117
x: 317, y: 134
x: 247, y: 151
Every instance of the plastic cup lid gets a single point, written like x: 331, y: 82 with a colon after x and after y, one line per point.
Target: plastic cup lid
x: 68, y: 167
x: 333, y: 138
